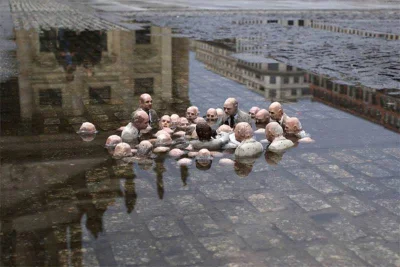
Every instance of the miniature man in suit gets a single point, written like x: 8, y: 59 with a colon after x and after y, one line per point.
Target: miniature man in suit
x: 233, y: 115
x: 277, y: 114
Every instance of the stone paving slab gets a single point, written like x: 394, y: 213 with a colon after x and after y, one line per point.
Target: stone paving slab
x: 241, y: 213
x: 180, y: 252
x: 309, y: 202
x: 360, y: 184
x: 299, y: 229
x: 394, y: 151
x: 334, y: 171
x: 393, y: 205
x: 343, y: 230
x: 332, y: 255
x: 351, y: 204
x: 223, y: 246
x: 202, y: 225
x: 313, y: 158
x: 164, y: 227
x: 260, y: 237
x: 187, y: 204
x: 371, y: 170
x: 392, y: 183
x: 386, y: 227
x: 267, y: 201
x: 315, y: 181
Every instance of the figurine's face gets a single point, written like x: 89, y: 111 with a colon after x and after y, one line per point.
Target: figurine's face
x: 275, y: 113
x: 253, y: 112
x: 191, y: 114
x: 212, y: 115
x: 184, y: 124
x: 146, y: 102
x: 165, y: 122
x: 230, y: 108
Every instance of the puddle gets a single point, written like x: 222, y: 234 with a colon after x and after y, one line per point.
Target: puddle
x: 66, y: 202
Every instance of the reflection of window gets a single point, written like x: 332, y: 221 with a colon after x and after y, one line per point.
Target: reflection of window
x: 50, y: 97
x: 296, y: 79
x: 294, y: 92
x: 272, y: 80
x: 262, y: 88
x: 290, y: 22
x: 329, y: 85
x: 100, y: 95
x: 273, y: 66
x: 289, y: 68
x: 47, y: 40
x: 301, y: 22
x: 272, y: 21
x: 272, y: 93
x: 143, y: 36
x: 144, y: 85
x: 286, y: 80
x: 305, y: 91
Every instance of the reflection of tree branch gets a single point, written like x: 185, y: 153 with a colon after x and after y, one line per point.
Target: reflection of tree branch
x: 160, y: 169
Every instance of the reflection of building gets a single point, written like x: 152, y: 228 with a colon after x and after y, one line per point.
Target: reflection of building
x: 275, y: 80
x: 379, y: 106
x: 284, y: 22
x: 97, y: 75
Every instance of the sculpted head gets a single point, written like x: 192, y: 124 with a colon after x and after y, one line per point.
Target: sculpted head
x: 253, y: 111
x: 163, y: 139
x: 212, y: 114
x: 165, y: 122
x: 140, y: 120
x: 230, y: 106
x: 122, y: 150
x: 220, y: 112
x: 203, y: 131
x: 144, y: 148
x: 113, y: 140
x: 262, y: 116
x: 243, y: 131
x: 145, y: 102
x: 224, y: 129
x: 204, y: 158
x: 275, y: 111
x: 199, y: 119
x: 191, y: 113
x: 293, y: 126
x: 183, y: 123
x: 273, y: 130
x: 174, y: 120
x: 87, y: 128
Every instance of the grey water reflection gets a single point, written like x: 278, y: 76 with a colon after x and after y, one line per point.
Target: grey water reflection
x: 66, y: 202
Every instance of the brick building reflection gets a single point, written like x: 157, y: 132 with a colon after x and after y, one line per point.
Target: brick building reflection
x: 378, y: 106
x: 240, y: 62
x: 52, y: 183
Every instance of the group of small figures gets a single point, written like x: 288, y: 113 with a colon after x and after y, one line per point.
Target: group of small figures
x: 229, y: 130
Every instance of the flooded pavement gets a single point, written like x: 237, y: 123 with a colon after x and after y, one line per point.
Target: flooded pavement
x: 66, y: 202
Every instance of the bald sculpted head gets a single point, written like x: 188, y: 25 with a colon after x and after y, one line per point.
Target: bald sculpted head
x: 243, y: 131
x: 253, y: 111
x: 192, y: 113
x: 165, y: 122
x: 145, y: 102
x: 262, y: 116
x: 273, y: 130
x: 293, y: 126
x: 211, y: 114
x: 275, y: 111
x: 140, y: 120
x: 231, y: 106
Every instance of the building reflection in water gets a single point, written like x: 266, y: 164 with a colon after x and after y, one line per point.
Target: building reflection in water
x: 241, y: 62
x: 51, y: 181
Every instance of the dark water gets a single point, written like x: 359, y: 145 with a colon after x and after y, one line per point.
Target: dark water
x: 66, y: 202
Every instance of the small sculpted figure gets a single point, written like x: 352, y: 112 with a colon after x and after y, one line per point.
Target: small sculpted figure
x: 226, y: 162
x: 144, y: 149
x: 293, y: 130
x: 162, y: 143
x: 165, y: 122
x: 174, y: 121
x: 146, y: 104
x: 253, y: 111
x: 176, y: 152
x: 204, y: 133
x: 122, y: 150
x: 220, y: 112
x: 262, y: 119
x: 248, y: 147
x: 204, y: 159
x: 244, y: 166
x: 274, y: 134
x: 111, y: 142
x: 212, y: 114
x: 184, y: 162
x: 233, y: 115
x: 184, y: 127
x: 87, y: 131
x: 191, y: 114
x: 277, y: 114
x: 139, y: 121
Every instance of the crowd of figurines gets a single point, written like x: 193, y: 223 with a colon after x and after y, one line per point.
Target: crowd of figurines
x: 220, y: 133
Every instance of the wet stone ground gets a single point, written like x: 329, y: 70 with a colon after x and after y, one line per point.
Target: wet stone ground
x: 66, y: 202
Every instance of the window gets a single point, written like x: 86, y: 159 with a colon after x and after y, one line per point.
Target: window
x: 50, y: 97
x: 301, y: 22
x: 272, y: 80
x: 293, y: 92
x: 289, y: 68
x: 100, y: 95
x: 272, y: 93
x: 144, y: 85
x: 290, y: 22
x: 143, y: 36
x: 273, y: 66
x: 305, y: 91
x: 296, y: 79
x: 286, y: 80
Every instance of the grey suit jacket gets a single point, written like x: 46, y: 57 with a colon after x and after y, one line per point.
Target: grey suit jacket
x: 241, y: 117
x: 153, y: 116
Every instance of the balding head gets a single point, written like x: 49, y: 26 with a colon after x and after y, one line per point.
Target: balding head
x: 224, y: 129
x: 87, y: 128
x: 140, y: 119
x: 212, y: 114
x: 262, y: 116
x: 220, y: 112
x: 144, y: 149
x: 165, y: 122
x: 145, y: 102
x: 273, y: 130
x: 275, y: 111
x: 163, y: 139
x: 293, y: 126
x: 253, y: 111
x: 122, y: 150
x: 230, y: 106
x: 243, y: 131
x: 191, y: 113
